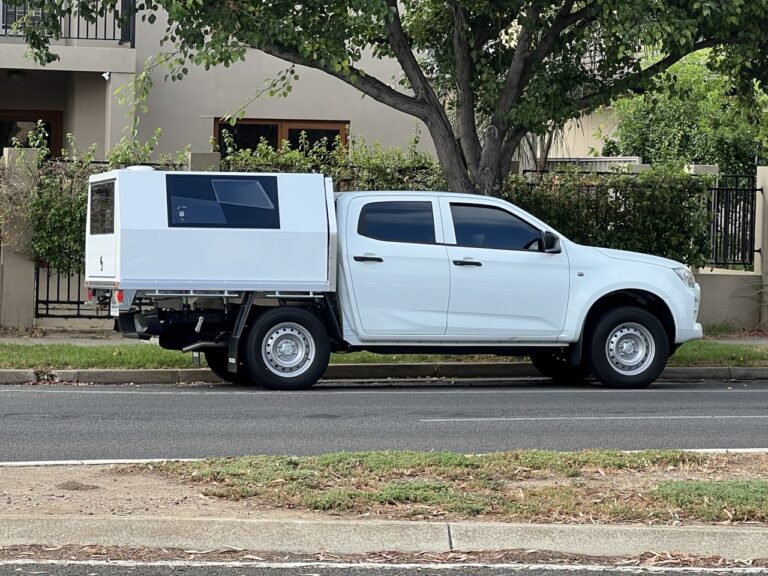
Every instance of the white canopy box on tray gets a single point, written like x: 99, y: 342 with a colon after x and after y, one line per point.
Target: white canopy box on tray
x: 154, y: 230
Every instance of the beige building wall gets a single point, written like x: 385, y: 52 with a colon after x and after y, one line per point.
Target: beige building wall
x: 33, y: 90
x: 730, y: 298
x: 79, y: 96
x: 582, y: 137
x: 84, y: 114
x: 185, y: 110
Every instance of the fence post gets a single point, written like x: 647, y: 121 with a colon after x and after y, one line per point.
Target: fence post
x: 761, y: 236
x: 17, y: 272
x: 203, y: 161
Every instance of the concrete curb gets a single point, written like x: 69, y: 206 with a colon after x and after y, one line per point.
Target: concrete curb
x: 360, y: 537
x: 498, y: 370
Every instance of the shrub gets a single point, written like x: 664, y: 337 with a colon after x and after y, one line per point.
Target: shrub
x: 662, y: 211
x: 357, y: 167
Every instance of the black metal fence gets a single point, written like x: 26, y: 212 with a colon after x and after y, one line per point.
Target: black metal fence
x: 110, y: 26
x: 733, y: 204
x: 62, y: 295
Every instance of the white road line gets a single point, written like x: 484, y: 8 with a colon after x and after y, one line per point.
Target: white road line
x: 380, y: 567
x: 598, y: 418
x: 35, y: 463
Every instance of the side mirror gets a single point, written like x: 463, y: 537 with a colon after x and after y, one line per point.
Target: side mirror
x: 552, y: 243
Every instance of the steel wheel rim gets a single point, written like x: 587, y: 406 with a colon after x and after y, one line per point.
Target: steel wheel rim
x: 630, y: 349
x: 288, y: 350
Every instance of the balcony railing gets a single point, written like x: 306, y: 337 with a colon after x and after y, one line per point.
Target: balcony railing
x: 109, y: 27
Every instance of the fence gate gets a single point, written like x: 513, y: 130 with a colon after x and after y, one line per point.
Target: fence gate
x: 61, y: 295
x: 732, y: 204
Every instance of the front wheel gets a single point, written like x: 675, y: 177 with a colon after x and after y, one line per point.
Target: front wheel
x: 287, y: 349
x: 628, y: 348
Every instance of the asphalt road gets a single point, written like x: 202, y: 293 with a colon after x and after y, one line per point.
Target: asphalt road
x: 330, y: 570
x: 126, y: 422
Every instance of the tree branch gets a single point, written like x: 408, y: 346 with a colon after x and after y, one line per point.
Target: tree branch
x: 358, y: 79
x: 563, y: 20
x: 465, y: 98
x: 512, y: 86
x: 402, y: 50
x: 632, y: 82
x: 511, y: 144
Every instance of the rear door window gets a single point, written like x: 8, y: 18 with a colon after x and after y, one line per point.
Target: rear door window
x: 398, y: 221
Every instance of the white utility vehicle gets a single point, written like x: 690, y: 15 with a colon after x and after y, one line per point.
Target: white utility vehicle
x: 267, y: 274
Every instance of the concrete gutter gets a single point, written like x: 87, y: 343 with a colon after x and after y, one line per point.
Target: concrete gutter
x: 489, y: 370
x: 360, y: 537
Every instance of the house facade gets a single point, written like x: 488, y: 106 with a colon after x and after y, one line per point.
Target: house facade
x: 76, y: 94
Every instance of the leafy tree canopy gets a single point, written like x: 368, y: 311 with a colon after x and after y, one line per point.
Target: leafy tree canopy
x: 480, y: 74
x: 692, y: 115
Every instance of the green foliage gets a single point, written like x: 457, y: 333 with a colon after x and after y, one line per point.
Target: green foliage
x: 662, y: 212
x: 480, y: 74
x: 692, y: 115
x: 357, y: 167
x: 53, y: 207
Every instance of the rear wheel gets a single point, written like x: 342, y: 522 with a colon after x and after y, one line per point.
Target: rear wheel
x: 555, y: 364
x: 287, y: 349
x: 628, y: 348
x: 218, y: 361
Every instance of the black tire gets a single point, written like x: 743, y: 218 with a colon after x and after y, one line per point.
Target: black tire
x: 304, y: 344
x: 645, y: 348
x: 217, y: 360
x: 555, y: 364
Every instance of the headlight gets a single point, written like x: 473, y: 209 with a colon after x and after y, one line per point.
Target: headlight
x: 686, y: 276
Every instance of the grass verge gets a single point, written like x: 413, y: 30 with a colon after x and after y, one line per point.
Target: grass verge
x: 69, y: 356
x: 525, y: 486
x: 713, y: 353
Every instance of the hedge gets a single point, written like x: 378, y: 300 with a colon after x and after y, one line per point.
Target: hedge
x: 660, y: 212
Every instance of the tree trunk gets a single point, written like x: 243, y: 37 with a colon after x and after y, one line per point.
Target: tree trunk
x: 451, y: 158
x: 489, y: 174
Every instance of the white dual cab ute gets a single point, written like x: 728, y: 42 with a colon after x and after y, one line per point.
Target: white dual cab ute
x: 267, y: 274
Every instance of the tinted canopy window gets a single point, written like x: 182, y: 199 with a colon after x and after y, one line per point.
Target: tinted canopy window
x: 398, y: 221
x: 103, y: 208
x: 488, y: 227
x: 203, y: 201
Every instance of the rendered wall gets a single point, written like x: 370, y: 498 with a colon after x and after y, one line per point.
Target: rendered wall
x: 17, y: 285
x: 728, y: 298
x: 35, y: 90
x: 84, y: 114
x: 185, y: 110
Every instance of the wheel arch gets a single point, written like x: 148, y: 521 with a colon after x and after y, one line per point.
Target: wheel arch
x: 631, y: 297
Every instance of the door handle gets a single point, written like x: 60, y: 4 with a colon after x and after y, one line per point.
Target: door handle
x: 467, y: 263
x: 368, y: 259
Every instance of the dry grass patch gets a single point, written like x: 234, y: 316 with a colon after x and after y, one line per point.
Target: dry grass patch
x: 539, y: 486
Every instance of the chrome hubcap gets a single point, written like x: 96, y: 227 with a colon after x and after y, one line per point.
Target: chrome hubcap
x: 630, y: 348
x: 288, y: 349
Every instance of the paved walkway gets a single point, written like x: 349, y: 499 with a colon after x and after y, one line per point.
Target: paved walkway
x: 56, y: 505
